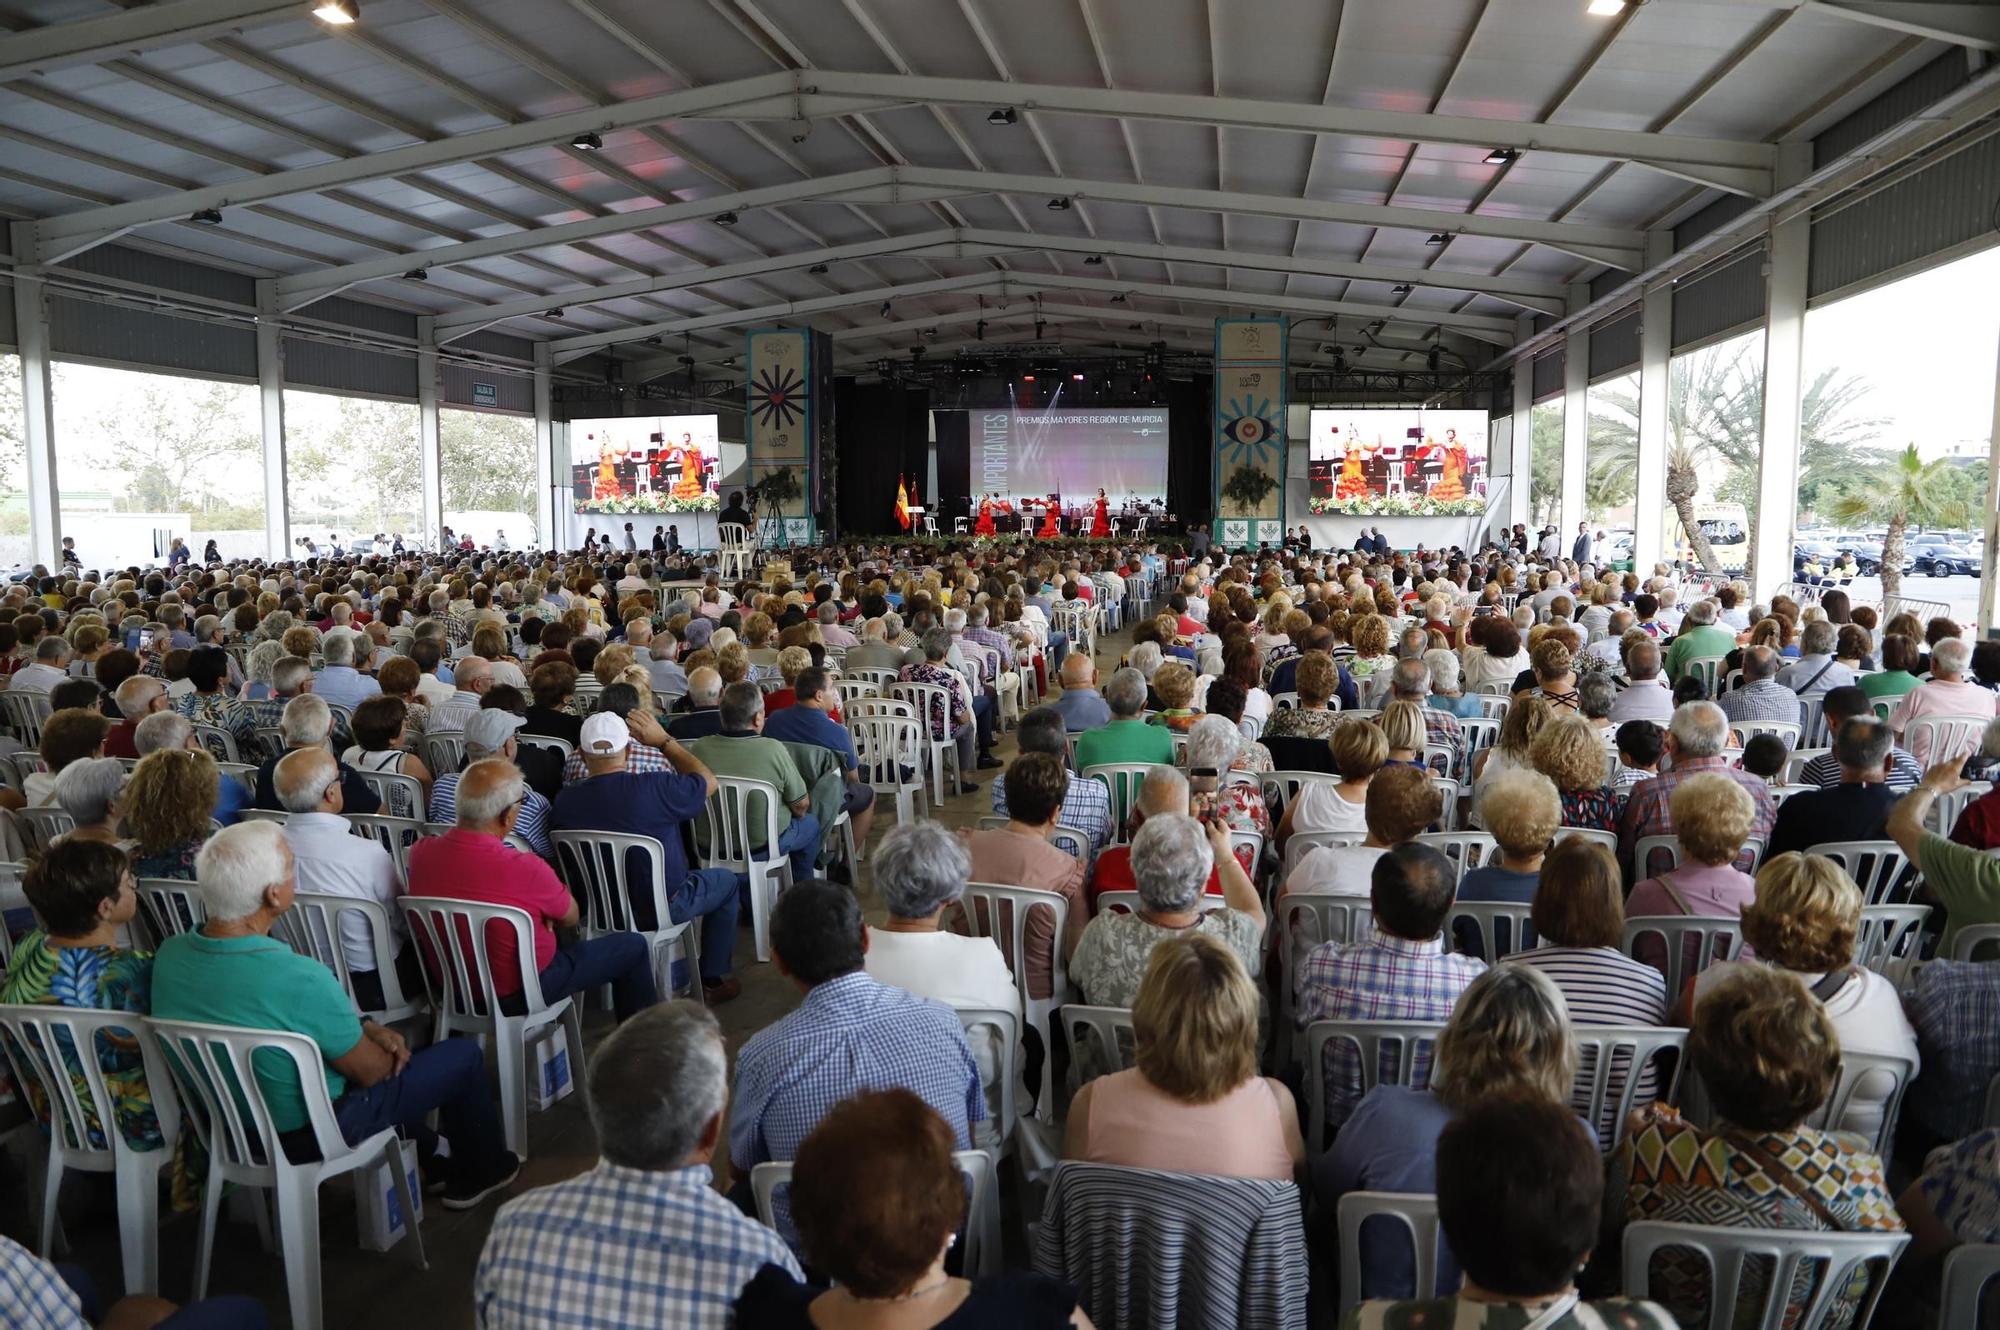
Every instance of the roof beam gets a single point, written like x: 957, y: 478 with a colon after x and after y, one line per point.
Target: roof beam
x: 1963, y: 24
x: 130, y: 31
x: 1499, y: 331
x: 100, y: 224
x: 832, y: 92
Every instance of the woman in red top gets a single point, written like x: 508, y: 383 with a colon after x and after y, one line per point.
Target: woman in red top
x: 1051, y: 519
x: 1100, y: 522
x: 984, y: 527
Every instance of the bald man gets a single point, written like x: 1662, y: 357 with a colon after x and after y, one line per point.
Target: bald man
x: 473, y: 676
x: 1082, y: 706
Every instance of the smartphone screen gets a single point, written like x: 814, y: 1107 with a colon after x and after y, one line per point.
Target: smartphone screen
x: 1204, y: 780
x: 132, y: 636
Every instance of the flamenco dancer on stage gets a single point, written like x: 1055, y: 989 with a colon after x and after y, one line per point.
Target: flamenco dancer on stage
x: 1051, y: 519
x: 1100, y: 522
x: 984, y: 527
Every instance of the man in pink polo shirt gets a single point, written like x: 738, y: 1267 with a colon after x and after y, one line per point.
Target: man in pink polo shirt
x: 1946, y: 693
x: 472, y: 862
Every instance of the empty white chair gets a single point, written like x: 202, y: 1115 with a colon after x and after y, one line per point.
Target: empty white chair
x: 456, y: 937
x: 1784, y: 1252
x: 886, y: 747
x: 1418, y: 1215
x: 737, y: 806
x: 60, y: 1050
x: 933, y: 700
x: 600, y: 870
x: 238, y: 1129
x: 1001, y: 1030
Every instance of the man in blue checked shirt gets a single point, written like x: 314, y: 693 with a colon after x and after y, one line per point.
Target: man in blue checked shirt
x: 643, y: 1240
x: 850, y: 1033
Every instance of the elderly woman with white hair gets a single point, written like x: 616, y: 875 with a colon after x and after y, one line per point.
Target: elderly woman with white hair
x: 1446, y: 693
x: 230, y: 972
x: 263, y: 658
x: 921, y: 869
x: 92, y: 791
x: 1172, y: 856
x: 1216, y: 747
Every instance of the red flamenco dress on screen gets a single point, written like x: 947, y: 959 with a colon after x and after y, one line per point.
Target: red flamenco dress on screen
x: 1100, y: 520
x: 1452, y: 486
x: 1051, y: 520
x: 1353, y: 485
x: 984, y: 526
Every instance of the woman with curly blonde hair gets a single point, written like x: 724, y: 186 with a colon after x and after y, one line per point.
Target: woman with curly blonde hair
x: 1553, y: 661
x: 1511, y: 752
x: 170, y: 810
x: 1571, y: 753
x: 1804, y: 919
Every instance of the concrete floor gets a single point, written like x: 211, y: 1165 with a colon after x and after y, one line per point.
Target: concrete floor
x: 361, y: 1285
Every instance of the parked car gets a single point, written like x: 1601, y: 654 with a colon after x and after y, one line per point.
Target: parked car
x: 1937, y: 558
x: 1818, y: 549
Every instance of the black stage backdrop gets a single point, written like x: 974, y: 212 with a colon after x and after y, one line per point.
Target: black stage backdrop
x: 881, y: 431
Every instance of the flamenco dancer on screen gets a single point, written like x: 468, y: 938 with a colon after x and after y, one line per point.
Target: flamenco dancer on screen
x: 1452, y: 485
x: 1051, y: 519
x: 1353, y: 484
x: 1100, y: 521
x: 984, y: 527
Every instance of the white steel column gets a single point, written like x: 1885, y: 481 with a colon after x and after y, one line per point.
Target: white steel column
x: 1576, y: 419
x: 31, y: 338
x: 427, y: 429
x: 1656, y: 343
x: 1989, y: 580
x: 547, y: 514
x: 1785, y: 266
x: 1521, y: 466
x: 271, y: 411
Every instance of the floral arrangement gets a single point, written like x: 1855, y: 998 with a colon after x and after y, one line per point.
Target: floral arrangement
x: 653, y: 501
x: 1402, y: 505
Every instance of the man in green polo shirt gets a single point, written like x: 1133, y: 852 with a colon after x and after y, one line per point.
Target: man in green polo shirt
x: 1966, y: 881
x: 1698, y: 639
x: 231, y: 971
x: 742, y: 751
x: 1127, y: 738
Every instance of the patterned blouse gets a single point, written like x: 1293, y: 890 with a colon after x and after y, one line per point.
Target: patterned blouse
x: 1596, y: 809
x: 1962, y: 1183
x: 1675, y: 1172
x: 1299, y: 723
x: 173, y: 861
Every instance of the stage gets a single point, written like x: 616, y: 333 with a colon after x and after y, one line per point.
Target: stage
x: 1339, y: 532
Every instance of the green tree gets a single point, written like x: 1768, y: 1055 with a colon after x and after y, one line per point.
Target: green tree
x: 175, y: 444
x: 1545, y: 482
x: 1903, y: 491
x: 487, y: 461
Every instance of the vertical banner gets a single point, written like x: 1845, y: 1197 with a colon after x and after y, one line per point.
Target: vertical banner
x: 779, y: 423
x: 823, y: 495
x: 1250, y: 400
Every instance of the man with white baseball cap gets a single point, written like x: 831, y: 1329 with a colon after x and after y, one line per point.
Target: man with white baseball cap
x: 614, y: 797
x: 489, y: 732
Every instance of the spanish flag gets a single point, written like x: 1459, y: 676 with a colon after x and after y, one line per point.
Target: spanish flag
x: 902, y: 503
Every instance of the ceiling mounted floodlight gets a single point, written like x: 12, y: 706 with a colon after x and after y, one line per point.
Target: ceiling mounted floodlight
x: 817, y: 270
x: 1004, y: 115
x: 555, y: 313
x: 586, y: 142
x: 1093, y: 261
x: 1605, y: 8
x: 417, y: 275
x: 341, y: 12
x: 1502, y: 156
x: 1437, y: 238
x: 725, y: 219
x: 1118, y: 299
x: 208, y: 216
x: 1401, y: 289
x: 885, y: 309
x: 1059, y: 204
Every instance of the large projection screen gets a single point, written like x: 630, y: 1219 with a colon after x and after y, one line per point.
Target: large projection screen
x: 644, y: 464
x: 1401, y: 462
x: 1071, y: 453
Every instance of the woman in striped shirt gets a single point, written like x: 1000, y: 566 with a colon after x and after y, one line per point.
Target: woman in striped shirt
x: 1580, y: 919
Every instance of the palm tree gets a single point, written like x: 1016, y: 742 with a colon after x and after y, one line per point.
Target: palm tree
x: 1907, y: 489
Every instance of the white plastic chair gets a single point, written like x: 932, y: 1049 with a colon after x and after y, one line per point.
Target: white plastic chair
x: 1608, y: 839
x: 597, y: 868
x: 1943, y: 813
x: 1931, y: 739
x: 881, y: 676
x: 1467, y: 850
x: 561, y: 747
x: 25, y: 711
x: 41, y: 826
x: 314, y: 927
x: 1611, y: 1062
x: 171, y: 906
x: 1967, y: 1271
x: 456, y: 939
x: 1302, y: 843
x: 1796, y: 760
x: 1780, y: 793
x: 1889, y: 939
x: 237, y: 1127
x: 1122, y: 780
x: 219, y: 742
x: 982, y: 1216
x: 1100, y: 1040
x: 737, y: 554
x: 1870, y: 1070
x: 444, y: 751
x: 1001, y: 913
x: 939, y: 753
x: 1704, y: 668
x: 1654, y: 855
x: 1875, y: 866
x: 1503, y: 927
x: 401, y: 796
x: 885, y: 747
x: 1419, y: 1218
x: 43, y: 1044
x: 1785, y: 1252
x: 1287, y: 784
x: 730, y: 818
x: 853, y: 690
x: 1966, y: 943
x: 1792, y: 732
x: 1002, y: 1029
x: 394, y: 834
x: 1399, y: 1040
x: 1710, y: 940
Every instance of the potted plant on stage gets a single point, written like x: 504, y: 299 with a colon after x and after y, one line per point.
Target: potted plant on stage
x: 1246, y: 489
x: 776, y: 489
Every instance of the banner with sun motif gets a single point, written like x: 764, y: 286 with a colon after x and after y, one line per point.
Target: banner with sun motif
x: 1250, y: 400
x: 778, y: 424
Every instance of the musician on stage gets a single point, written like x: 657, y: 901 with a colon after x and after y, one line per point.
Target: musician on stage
x: 1100, y: 522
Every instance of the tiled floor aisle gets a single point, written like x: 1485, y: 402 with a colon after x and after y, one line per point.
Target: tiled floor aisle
x: 360, y: 1286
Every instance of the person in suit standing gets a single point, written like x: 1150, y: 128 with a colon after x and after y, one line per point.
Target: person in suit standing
x: 1580, y: 551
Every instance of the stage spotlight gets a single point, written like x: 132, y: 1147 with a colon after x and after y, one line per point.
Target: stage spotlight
x: 1076, y: 378
x: 725, y: 219
x: 1339, y: 361
x: 1502, y: 156
x: 208, y: 217
x: 1401, y: 289
x: 1118, y: 299
x: 1004, y: 115
x: 979, y: 330
x: 885, y: 309
x: 586, y: 142
x: 417, y: 275
x: 553, y: 313
x: 338, y: 12
x: 817, y: 270
x: 1434, y: 358
x: 1093, y: 261
x: 1027, y: 378
x: 1059, y: 204
x: 1437, y: 238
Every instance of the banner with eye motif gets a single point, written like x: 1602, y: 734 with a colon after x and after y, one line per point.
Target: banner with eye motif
x: 1250, y: 400
x: 778, y: 424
